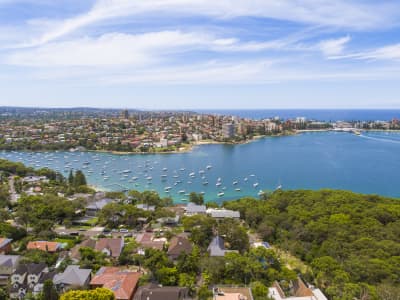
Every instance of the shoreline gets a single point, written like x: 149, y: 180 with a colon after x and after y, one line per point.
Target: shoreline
x: 190, y: 147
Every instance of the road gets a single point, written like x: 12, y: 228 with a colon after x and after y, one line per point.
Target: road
x: 11, y: 186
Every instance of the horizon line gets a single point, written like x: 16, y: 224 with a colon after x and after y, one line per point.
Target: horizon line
x: 200, y: 109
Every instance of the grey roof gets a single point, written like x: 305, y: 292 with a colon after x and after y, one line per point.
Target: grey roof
x: 31, y: 268
x: 216, y: 247
x: 98, y: 205
x: 73, y: 275
x: 161, y: 293
x: 47, y: 276
x: 5, y: 242
x: 9, y: 260
x: 193, y: 208
x: 223, y: 213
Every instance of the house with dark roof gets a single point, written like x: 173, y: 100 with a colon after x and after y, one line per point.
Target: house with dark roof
x: 5, y: 245
x: 217, y: 247
x: 72, y: 278
x: 93, y: 208
x: 26, y: 277
x: 75, y: 254
x: 178, y: 245
x: 155, y: 292
x: 122, y: 282
x: 8, y: 265
x: 38, y: 288
x: 110, y: 246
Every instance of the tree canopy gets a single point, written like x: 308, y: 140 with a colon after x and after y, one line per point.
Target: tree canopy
x: 351, y: 241
x: 97, y: 294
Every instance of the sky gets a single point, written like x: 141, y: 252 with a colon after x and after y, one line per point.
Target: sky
x: 193, y: 54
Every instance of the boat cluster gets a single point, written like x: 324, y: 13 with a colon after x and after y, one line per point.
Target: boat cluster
x: 141, y: 175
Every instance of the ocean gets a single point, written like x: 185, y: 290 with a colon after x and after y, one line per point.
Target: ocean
x: 312, y: 114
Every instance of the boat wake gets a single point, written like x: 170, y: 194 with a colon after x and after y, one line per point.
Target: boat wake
x: 380, y: 139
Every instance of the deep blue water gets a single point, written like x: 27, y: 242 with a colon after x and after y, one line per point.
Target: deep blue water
x: 314, y: 114
x: 369, y: 163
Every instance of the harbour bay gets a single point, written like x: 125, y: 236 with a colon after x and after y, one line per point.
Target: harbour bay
x: 368, y: 163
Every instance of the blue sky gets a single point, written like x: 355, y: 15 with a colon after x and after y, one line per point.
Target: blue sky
x: 178, y: 54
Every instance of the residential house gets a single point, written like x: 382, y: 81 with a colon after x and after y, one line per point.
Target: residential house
x: 232, y: 293
x: 155, y: 292
x: 75, y: 254
x: 73, y: 277
x: 217, y: 247
x: 146, y: 207
x: 25, y: 278
x: 34, y: 179
x: 93, y: 208
x: 265, y: 245
x: 298, y: 290
x: 148, y: 240
x: 123, y: 283
x: 221, y: 213
x: 50, y: 247
x: 110, y: 246
x: 179, y: 245
x: 194, y: 209
x: 169, y: 221
x: 5, y: 245
x: 38, y: 288
x: 8, y: 265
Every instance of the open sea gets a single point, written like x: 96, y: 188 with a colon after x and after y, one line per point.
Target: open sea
x: 369, y: 163
x: 314, y: 114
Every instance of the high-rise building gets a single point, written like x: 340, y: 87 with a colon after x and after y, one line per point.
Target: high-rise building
x: 125, y: 114
x: 228, y: 130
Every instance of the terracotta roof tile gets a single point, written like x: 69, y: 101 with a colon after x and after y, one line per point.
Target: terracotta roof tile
x: 44, y: 246
x: 122, y: 282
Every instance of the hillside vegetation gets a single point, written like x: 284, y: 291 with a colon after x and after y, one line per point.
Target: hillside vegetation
x: 350, y: 241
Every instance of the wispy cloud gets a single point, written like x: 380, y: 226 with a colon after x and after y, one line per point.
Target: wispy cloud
x: 120, y: 49
x: 333, y: 46
x: 388, y: 52
x: 338, y: 13
x: 113, y: 49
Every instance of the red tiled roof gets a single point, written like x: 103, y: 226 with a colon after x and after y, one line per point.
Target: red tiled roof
x: 44, y: 246
x: 122, y: 282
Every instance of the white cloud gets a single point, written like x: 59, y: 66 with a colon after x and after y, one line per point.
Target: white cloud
x: 338, y: 13
x: 113, y: 49
x: 118, y: 49
x: 333, y: 46
x: 388, y: 52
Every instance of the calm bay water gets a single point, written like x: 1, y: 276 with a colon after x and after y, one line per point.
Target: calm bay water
x: 369, y: 163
